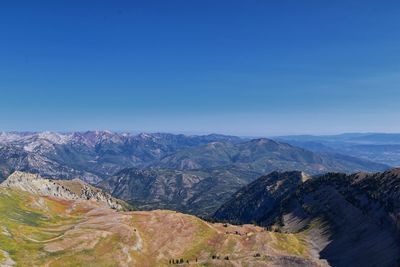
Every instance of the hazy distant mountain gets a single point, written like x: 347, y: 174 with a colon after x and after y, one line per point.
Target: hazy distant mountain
x: 378, y: 147
x: 360, y: 138
x: 263, y: 156
x: 353, y: 220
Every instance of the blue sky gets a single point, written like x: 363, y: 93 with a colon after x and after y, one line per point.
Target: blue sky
x: 236, y: 67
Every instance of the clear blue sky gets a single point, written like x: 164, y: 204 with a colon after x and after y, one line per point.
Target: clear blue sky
x: 198, y: 66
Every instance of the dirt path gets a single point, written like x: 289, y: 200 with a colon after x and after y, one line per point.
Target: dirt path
x: 139, y: 243
x: 213, y: 228
x: 42, y: 241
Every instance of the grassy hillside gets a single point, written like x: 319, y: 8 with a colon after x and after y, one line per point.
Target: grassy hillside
x: 43, y: 231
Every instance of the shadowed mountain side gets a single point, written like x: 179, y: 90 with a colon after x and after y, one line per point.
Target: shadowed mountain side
x: 198, y: 192
x: 353, y: 220
x: 260, y: 198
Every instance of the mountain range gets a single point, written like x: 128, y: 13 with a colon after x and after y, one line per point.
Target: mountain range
x: 192, y: 174
x: 68, y: 195
x: 91, y: 156
x: 96, y: 155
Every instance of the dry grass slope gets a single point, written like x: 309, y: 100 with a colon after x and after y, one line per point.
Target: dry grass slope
x: 46, y: 231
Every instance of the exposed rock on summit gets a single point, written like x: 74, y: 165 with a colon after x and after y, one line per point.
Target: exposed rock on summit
x: 64, y: 189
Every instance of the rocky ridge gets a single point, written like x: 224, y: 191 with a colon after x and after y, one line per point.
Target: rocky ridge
x: 64, y: 189
x: 352, y: 220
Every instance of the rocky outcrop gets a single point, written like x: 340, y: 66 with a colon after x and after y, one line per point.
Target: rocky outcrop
x: 64, y: 189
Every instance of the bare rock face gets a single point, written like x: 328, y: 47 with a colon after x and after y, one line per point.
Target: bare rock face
x: 65, y: 189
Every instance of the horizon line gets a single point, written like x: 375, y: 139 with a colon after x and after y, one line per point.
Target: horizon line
x: 190, y: 133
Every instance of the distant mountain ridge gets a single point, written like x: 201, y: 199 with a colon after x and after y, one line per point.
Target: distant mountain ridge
x: 361, y: 138
x: 264, y: 155
x: 96, y: 155
x: 377, y: 147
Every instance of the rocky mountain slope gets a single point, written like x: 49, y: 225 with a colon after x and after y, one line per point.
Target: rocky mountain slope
x: 58, y: 230
x: 260, y: 198
x: 198, y: 192
x: 353, y: 220
x: 62, y: 189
